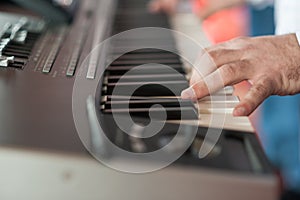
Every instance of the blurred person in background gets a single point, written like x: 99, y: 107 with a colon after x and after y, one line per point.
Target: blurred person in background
x: 214, y: 25
x: 279, y: 124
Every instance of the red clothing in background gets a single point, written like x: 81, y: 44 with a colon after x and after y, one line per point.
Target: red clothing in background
x: 223, y: 25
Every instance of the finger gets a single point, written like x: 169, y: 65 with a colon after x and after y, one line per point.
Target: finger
x: 154, y: 6
x: 202, y: 67
x: 228, y: 74
x: 256, y: 95
x: 222, y: 54
x: 167, y: 8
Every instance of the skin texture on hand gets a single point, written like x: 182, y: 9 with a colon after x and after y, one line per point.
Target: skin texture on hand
x: 271, y: 64
x: 166, y: 6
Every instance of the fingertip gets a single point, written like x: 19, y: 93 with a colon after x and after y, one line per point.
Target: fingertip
x: 239, y: 111
x: 188, y: 93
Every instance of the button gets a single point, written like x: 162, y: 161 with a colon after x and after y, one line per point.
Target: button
x: 74, y: 59
x: 54, y: 51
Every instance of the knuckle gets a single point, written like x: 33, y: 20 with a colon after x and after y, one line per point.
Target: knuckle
x: 248, y: 46
x: 240, y: 39
x: 213, y: 53
x: 200, y: 88
x: 245, y: 65
x: 229, y: 70
x: 216, y: 51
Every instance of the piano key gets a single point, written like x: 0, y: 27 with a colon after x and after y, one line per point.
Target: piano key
x: 16, y: 54
x: 147, y: 103
x: 123, y: 49
x: 208, y: 99
x: 17, y: 27
x: 124, y: 97
x: 212, y: 111
x: 216, y: 121
x: 17, y: 50
x: 174, y: 113
x: 148, y: 89
x: 148, y: 51
x: 142, y: 70
x: 148, y: 56
x: 5, y: 61
x: 4, y: 29
x: 142, y: 62
x: 145, y: 78
x: 215, y: 108
x: 21, y: 37
x: 212, y: 105
x: 18, y: 65
x: 229, y: 90
x: 165, y: 39
x: 23, y: 47
x: 219, y: 99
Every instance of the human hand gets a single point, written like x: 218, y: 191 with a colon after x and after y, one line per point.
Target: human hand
x: 271, y: 64
x: 167, y: 6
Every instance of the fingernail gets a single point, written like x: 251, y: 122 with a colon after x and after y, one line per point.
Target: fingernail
x: 240, y: 111
x: 188, y: 94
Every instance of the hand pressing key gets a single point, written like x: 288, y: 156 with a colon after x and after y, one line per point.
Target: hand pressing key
x: 271, y: 64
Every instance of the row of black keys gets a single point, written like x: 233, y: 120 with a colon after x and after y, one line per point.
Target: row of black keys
x: 20, y: 51
x: 130, y: 86
x: 146, y: 79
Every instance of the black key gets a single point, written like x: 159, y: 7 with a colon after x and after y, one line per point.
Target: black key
x: 124, y: 97
x: 160, y: 88
x: 146, y: 78
x: 117, y: 104
x: 148, y: 56
x: 142, y: 62
x: 19, y: 50
x: 148, y: 69
x: 174, y: 113
x: 19, y: 55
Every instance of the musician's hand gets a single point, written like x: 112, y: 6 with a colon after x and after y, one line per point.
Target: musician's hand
x: 167, y: 6
x: 209, y: 7
x: 271, y: 64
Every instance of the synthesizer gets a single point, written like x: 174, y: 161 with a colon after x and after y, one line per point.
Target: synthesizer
x: 51, y: 146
